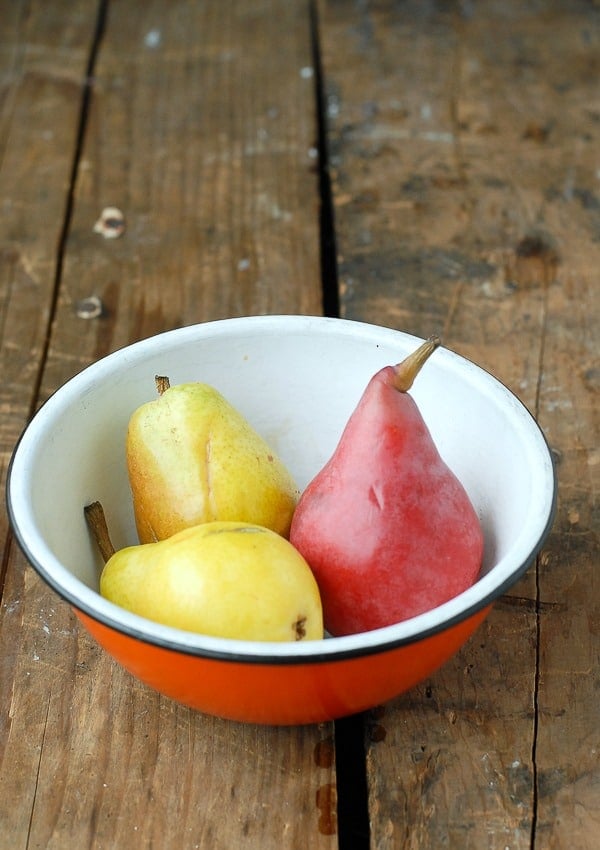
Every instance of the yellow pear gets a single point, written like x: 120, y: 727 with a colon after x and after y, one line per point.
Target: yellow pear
x: 225, y: 579
x: 193, y: 458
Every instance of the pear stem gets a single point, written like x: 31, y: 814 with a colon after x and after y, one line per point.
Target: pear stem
x: 406, y: 371
x: 162, y: 383
x: 96, y: 520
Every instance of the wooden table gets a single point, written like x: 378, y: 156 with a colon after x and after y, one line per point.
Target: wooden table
x: 432, y: 167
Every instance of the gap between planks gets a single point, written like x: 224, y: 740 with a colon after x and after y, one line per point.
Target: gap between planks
x: 351, y: 769
x: 86, y: 95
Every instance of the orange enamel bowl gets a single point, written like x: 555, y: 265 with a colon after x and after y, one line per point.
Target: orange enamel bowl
x: 297, y: 379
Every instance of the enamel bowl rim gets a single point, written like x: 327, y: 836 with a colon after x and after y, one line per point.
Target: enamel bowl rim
x: 82, y: 598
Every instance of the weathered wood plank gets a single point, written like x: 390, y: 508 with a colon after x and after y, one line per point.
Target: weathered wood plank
x: 568, y: 740
x: 203, y: 134
x: 43, y: 57
x: 464, y: 172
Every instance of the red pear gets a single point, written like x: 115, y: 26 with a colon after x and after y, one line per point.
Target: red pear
x: 387, y: 528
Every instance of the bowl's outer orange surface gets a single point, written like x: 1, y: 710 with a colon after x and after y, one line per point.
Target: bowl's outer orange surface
x: 283, y: 693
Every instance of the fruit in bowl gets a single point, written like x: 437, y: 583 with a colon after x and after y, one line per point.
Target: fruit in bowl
x: 296, y: 380
x: 229, y: 579
x: 193, y: 458
x: 387, y: 527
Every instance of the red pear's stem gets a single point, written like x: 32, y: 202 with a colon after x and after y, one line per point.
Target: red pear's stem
x: 96, y: 521
x: 162, y: 383
x: 407, y: 371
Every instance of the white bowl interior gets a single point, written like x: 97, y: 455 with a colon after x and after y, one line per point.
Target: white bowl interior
x: 296, y: 379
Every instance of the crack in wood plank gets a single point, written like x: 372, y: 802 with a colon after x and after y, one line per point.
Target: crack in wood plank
x: 37, y: 776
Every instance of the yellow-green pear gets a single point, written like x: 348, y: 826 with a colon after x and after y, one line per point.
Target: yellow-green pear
x: 225, y: 579
x: 193, y: 458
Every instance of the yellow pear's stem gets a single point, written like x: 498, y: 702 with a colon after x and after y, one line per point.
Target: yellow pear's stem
x: 162, y: 383
x: 407, y: 371
x: 94, y: 514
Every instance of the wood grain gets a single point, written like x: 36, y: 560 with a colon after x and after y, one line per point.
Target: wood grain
x: 463, y: 140
x: 43, y: 57
x: 203, y: 134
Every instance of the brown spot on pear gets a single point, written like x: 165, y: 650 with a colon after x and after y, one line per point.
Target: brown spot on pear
x: 224, y: 579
